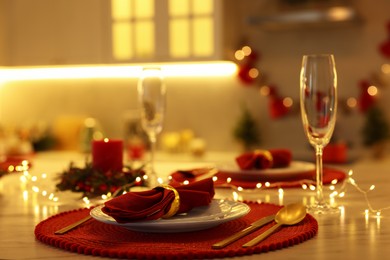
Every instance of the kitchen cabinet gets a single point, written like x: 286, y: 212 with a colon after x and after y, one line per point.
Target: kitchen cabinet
x: 3, y: 33
x: 45, y: 32
x: 62, y: 32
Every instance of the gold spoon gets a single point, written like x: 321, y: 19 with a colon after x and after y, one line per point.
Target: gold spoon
x: 288, y: 215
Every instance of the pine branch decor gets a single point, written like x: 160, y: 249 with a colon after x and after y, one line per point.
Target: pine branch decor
x: 92, y: 182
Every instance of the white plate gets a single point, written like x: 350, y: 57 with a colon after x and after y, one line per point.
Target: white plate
x: 218, y: 212
x: 295, y: 169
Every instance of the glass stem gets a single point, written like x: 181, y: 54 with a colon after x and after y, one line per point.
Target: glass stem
x: 152, y: 172
x: 319, y: 174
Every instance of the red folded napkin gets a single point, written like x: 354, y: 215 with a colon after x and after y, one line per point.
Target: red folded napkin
x: 14, y: 164
x: 264, y: 159
x: 154, y: 204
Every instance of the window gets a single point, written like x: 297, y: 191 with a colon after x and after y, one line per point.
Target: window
x: 191, y: 28
x: 132, y: 29
x: 163, y: 29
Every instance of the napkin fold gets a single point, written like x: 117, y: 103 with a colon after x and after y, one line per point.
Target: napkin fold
x: 155, y: 203
x: 264, y: 159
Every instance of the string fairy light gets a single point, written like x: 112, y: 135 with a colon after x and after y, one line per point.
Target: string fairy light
x: 370, y: 209
x: 36, y: 187
x: 304, y: 184
x: 310, y: 184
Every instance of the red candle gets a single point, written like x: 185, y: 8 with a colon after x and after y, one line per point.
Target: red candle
x: 107, y: 155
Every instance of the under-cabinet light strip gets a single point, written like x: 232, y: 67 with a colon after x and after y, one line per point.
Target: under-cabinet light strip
x: 209, y: 69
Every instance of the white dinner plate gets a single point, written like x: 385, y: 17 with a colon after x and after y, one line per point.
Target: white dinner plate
x: 199, y: 218
x: 295, y: 169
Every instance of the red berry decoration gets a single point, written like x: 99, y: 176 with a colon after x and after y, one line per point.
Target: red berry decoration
x: 384, y: 47
x: 366, y: 101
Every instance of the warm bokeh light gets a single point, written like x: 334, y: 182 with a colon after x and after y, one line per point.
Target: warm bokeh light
x: 246, y: 50
x: 242, y: 53
x: 239, y: 55
x: 385, y: 68
x: 288, y: 102
x: 265, y: 90
x: 351, y: 102
x: 253, y: 73
x: 372, y: 90
x: 340, y: 13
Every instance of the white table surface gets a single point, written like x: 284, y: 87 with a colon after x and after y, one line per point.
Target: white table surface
x: 350, y: 234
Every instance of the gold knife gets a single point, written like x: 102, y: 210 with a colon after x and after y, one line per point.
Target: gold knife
x: 253, y: 227
x: 72, y: 226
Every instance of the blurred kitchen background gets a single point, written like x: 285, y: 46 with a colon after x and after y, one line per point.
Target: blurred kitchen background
x: 229, y: 65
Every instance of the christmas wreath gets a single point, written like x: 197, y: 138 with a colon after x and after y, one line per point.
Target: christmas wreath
x: 92, y: 182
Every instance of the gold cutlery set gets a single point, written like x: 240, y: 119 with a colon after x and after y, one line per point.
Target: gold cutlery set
x: 72, y: 226
x: 288, y: 215
x: 253, y: 227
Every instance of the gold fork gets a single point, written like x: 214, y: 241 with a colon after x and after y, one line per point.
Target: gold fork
x: 81, y: 221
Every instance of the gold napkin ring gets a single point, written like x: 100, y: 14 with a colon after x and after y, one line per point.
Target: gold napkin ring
x: 175, y: 203
x: 266, y: 153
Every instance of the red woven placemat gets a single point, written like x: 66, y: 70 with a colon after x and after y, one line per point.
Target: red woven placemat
x: 100, y: 239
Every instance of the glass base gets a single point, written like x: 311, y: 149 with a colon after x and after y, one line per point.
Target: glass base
x: 322, y: 209
x: 151, y: 181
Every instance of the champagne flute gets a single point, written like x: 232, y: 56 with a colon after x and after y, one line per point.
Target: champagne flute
x: 152, y: 98
x: 318, y: 101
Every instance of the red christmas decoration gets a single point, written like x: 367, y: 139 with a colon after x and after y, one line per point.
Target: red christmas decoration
x: 384, y: 47
x: 253, y: 57
x: 365, y: 100
x: 244, y: 74
x: 248, y: 64
x: 277, y: 107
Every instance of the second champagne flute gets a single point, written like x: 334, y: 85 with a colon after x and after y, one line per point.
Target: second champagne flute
x: 152, y: 98
x: 318, y: 99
